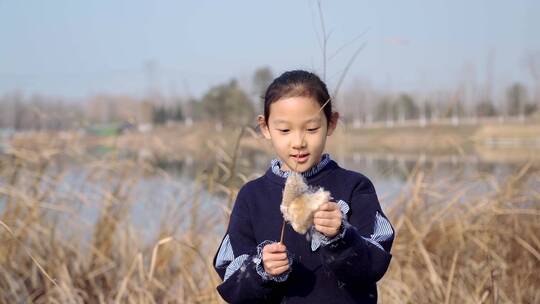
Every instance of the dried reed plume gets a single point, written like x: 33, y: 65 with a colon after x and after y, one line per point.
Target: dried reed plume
x: 300, y: 202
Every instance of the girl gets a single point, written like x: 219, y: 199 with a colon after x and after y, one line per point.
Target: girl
x: 346, y: 251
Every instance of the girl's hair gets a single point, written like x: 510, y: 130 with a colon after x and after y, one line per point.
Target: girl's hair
x: 298, y: 83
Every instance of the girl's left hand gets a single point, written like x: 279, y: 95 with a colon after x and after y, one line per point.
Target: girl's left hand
x: 327, y: 219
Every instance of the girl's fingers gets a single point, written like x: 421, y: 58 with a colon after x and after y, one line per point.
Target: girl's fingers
x: 273, y: 267
x: 280, y: 270
x: 330, y: 206
x: 329, y: 232
x: 327, y: 215
x: 276, y: 264
x: 327, y: 219
x: 274, y: 257
x: 274, y: 248
x: 328, y: 211
x: 330, y: 229
x: 331, y: 223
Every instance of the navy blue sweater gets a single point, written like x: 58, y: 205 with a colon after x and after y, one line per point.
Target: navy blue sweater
x: 345, y: 270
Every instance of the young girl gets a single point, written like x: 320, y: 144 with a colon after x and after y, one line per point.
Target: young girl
x: 346, y: 251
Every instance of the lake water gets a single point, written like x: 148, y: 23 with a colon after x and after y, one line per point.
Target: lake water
x: 175, y: 197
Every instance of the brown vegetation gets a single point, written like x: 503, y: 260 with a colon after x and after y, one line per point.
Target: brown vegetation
x: 454, y: 243
x: 457, y: 246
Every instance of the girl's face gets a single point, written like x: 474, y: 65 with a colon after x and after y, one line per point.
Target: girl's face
x: 298, y: 131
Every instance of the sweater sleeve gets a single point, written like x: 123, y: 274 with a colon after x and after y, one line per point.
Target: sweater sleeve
x: 362, y: 253
x: 238, y: 261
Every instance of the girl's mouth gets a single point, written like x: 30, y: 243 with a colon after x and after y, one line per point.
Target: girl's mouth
x: 300, y: 158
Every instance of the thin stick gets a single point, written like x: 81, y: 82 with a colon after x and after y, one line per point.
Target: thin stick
x: 325, y: 39
x: 324, y: 42
x: 346, y: 70
x: 304, y: 134
x: 282, y: 232
x: 296, y: 171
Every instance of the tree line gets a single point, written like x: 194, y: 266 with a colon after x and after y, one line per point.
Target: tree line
x: 230, y: 103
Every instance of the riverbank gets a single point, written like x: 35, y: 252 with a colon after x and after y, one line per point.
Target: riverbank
x: 503, y: 142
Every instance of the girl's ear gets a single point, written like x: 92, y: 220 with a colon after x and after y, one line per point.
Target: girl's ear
x: 263, y: 126
x: 333, y: 123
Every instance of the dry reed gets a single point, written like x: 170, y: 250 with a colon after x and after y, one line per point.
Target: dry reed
x: 453, y: 244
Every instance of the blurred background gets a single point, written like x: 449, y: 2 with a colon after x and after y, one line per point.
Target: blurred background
x: 127, y: 128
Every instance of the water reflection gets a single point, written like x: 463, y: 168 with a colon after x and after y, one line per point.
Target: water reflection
x: 390, y: 173
x: 174, y: 195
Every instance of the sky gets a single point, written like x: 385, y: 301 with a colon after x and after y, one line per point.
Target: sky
x: 76, y: 49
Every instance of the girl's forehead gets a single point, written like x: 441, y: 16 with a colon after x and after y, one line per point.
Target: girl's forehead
x: 314, y: 119
x: 296, y: 111
x: 303, y: 106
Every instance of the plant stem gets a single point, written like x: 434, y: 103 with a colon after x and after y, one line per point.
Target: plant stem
x: 282, y: 232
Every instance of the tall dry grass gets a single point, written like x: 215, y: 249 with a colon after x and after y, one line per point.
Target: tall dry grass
x: 457, y: 241
x: 50, y: 252
x: 466, y: 241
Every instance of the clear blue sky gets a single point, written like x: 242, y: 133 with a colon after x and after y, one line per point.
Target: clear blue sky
x: 79, y: 48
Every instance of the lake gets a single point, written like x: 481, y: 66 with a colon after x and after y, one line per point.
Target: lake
x: 175, y: 193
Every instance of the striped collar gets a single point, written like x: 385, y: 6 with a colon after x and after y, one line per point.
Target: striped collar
x: 275, y: 164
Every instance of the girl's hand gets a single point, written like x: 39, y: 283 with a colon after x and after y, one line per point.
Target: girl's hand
x: 274, y: 257
x: 327, y: 219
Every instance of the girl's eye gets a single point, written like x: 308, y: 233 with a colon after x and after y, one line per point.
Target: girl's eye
x: 313, y: 129
x: 283, y: 130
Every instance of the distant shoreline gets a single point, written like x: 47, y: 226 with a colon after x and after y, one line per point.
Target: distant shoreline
x: 505, y: 142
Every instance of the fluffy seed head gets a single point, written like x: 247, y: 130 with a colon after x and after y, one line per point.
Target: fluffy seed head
x: 300, y: 202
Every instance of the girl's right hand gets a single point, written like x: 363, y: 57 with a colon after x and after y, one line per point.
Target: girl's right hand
x: 274, y: 257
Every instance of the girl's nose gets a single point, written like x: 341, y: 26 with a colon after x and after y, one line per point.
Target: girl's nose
x: 299, y: 141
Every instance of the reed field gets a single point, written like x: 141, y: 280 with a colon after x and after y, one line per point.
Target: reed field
x: 458, y: 240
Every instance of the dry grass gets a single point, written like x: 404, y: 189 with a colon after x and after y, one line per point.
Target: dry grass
x: 454, y: 244
x: 52, y: 253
